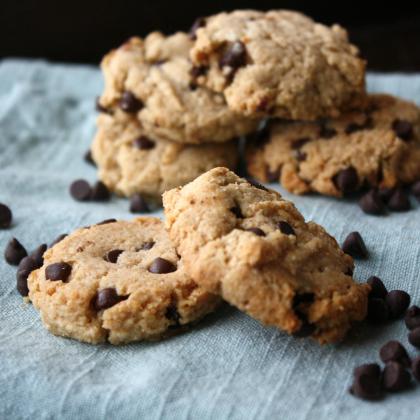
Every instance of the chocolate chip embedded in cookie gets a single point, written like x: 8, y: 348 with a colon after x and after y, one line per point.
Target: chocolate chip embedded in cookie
x: 278, y: 63
x: 154, y: 81
x: 255, y: 249
x: 363, y: 148
x: 97, y: 284
x: 131, y: 162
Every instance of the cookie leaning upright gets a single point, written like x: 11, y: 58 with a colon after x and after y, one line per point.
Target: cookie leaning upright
x: 118, y: 282
x: 278, y: 63
x: 255, y: 249
x: 152, y: 79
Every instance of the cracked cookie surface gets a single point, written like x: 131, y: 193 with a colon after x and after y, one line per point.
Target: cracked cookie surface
x: 255, y: 249
x: 119, y: 282
x: 380, y: 147
x: 278, y: 63
x: 151, y: 79
x: 130, y: 161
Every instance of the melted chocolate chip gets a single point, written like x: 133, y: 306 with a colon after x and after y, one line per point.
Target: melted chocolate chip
x: 14, y: 252
x: 256, y: 231
x: 112, y: 256
x: 286, y: 228
x: 138, y: 204
x: 161, y: 266
x: 100, y: 192
x: 143, y: 143
x: 80, y: 190
x: 129, y: 103
x: 234, y: 56
x: 5, y: 216
x: 58, y: 271
x: 346, y: 180
x: 355, y: 246
x: 106, y: 298
x: 403, y: 129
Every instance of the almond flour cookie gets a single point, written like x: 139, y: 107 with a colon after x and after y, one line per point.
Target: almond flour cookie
x: 130, y: 161
x: 378, y: 147
x: 118, y: 282
x: 277, y: 63
x: 152, y: 79
x: 254, y: 248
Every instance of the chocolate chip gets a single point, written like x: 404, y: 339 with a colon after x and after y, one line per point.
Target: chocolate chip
x: 237, y: 212
x: 415, y: 190
x: 88, y: 158
x: 395, y: 378
x: 257, y: 231
x: 371, y: 203
x: 112, y: 256
x: 273, y: 176
x: 398, y: 302
x: 197, y: 71
x: 161, y: 266
x: 80, y: 190
x: 129, y: 103
x: 394, y: 351
x: 286, y: 228
x: 106, y: 222
x: 377, y: 288
x: 355, y: 246
x: 234, y: 56
x: 412, y: 317
x: 146, y: 246
x: 305, y: 330
x: 399, y: 201
x: 172, y: 314
x: 403, y: 129
x: 37, y: 254
x: 106, y: 298
x: 100, y: 108
x: 327, y: 133
x: 256, y: 184
x: 26, y: 266
x: 58, y: 271
x: 415, y: 368
x: 100, y: 192
x: 414, y: 337
x: 58, y: 239
x: 346, y: 180
x: 367, y: 382
x: 198, y: 23
x: 297, y: 144
x: 385, y: 194
x: 138, y: 204
x: 14, y: 252
x: 5, y: 216
x: 143, y: 143
x: 378, y: 311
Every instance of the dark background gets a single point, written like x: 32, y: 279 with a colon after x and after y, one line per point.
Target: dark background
x: 83, y: 31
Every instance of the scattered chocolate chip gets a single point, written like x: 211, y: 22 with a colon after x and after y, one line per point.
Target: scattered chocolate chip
x: 414, y: 337
x: 146, y: 246
x: 234, y: 56
x: 14, y: 252
x: 346, y: 180
x: 26, y: 266
x: 403, y: 129
x: 385, y: 194
x: 58, y: 271
x: 58, y: 239
x: 129, y: 103
x: 286, y: 228
x: 256, y: 184
x: 138, y: 204
x: 100, y: 192
x: 143, y: 143
x: 37, y: 254
x: 106, y: 298
x: 399, y: 201
x: 198, y: 23
x: 378, y: 311
x: 415, y: 190
x: 367, y: 382
x: 257, y: 231
x: 395, y: 378
x: 326, y: 132
x: 161, y: 266
x: 415, y: 368
x: 172, y: 314
x: 106, y: 222
x: 112, y: 256
x: 88, y: 158
x: 377, y: 288
x: 398, y: 302
x: 237, y: 212
x: 273, y: 176
x: 355, y: 246
x: 371, y: 203
x: 5, y: 216
x: 394, y: 351
x: 412, y: 317
x: 80, y: 190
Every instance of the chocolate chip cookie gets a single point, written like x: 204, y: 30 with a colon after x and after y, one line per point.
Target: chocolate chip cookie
x: 118, y: 282
x: 254, y: 248
x: 131, y: 161
x: 277, y: 63
x: 153, y: 80
x: 377, y: 147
